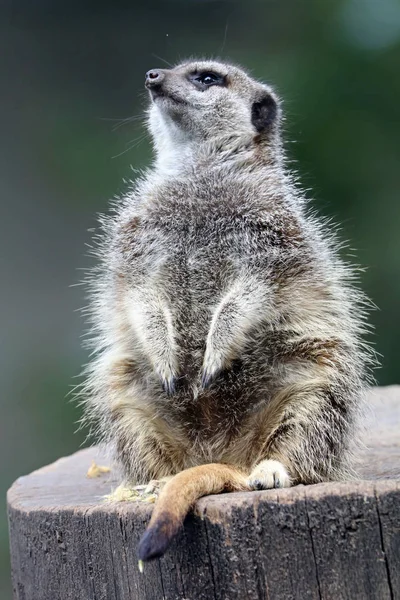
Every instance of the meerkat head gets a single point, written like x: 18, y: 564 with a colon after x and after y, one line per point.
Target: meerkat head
x: 206, y: 101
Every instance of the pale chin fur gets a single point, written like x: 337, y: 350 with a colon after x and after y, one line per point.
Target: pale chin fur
x: 173, y: 146
x: 178, y: 149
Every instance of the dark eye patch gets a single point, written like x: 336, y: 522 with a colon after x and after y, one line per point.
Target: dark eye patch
x: 206, y: 79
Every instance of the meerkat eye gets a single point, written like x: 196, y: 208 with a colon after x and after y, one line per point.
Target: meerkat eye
x: 206, y: 79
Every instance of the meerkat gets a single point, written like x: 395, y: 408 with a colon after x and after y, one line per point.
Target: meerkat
x: 228, y: 332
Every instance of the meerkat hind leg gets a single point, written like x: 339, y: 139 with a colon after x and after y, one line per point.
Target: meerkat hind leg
x: 156, y: 485
x: 269, y: 474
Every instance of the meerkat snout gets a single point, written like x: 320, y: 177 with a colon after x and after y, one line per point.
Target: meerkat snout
x: 154, y: 75
x: 154, y: 78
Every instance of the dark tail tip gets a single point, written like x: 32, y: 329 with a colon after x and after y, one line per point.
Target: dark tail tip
x: 157, y: 538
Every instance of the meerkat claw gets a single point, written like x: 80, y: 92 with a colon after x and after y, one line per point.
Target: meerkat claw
x: 156, y: 485
x: 257, y: 484
x: 169, y: 386
x: 207, y: 378
x: 167, y: 375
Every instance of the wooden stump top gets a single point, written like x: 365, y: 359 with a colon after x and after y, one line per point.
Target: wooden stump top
x: 333, y: 540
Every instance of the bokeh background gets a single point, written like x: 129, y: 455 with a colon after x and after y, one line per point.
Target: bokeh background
x: 70, y: 71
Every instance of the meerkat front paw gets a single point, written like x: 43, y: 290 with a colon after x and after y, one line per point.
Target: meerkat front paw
x: 168, y: 378
x: 269, y: 474
x: 213, y: 364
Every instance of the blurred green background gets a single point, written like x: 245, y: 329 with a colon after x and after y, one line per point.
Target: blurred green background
x: 70, y: 68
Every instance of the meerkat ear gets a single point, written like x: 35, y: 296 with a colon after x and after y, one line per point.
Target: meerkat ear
x: 264, y: 112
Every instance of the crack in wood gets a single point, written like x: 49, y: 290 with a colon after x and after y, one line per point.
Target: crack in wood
x: 124, y: 540
x: 209, y: 553
x: 383, y: 544
x: 312, y: 544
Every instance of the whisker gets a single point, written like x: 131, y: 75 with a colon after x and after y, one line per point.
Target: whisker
x: 127, y: 121
x: 162, y: 60
x: 225, y: 36
x: 112, y: 118
x: 134, y: 143
x: 122, y: 120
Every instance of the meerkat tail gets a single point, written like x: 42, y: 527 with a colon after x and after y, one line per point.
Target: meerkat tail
x: 177, y: 498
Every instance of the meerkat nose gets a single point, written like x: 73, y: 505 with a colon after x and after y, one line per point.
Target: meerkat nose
x: 154, y: 77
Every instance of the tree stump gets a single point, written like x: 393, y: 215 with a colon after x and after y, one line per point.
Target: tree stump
x: 329, y: 541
